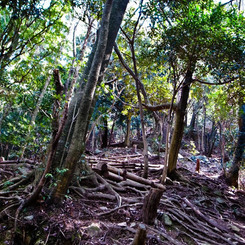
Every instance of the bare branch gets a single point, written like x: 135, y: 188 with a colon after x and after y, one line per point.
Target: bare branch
x: 218, y: 83
x: 160, y: 107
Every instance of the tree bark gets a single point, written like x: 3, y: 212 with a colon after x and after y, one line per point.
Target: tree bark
x: 140, y: 236
x: 78, y: 138
x: 179, y: 124
x: 151, y: 202
x: 127, y: 137
x: 104, y: 135
x: 118, y: 10
x: 72, y: 112
x: 210, y: 140
x: 192, y: 133
x: 232, y: 176
x: 203, y: 130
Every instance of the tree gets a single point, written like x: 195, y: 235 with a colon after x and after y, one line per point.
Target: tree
x: 118, y: 10
x: 232, y: 176
x: 76, y: 147
x: 139, y: 88
x: 30, y: 38
x: 191, y: 33
x: 25, y: 25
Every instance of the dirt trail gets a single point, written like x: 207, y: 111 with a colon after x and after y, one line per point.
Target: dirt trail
x: 198, y: 209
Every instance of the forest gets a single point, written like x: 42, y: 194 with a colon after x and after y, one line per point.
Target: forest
x: 122, y: 122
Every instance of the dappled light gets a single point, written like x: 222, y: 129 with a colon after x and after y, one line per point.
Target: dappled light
x: 122, y: 122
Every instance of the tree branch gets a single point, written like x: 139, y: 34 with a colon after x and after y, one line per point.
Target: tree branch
x: 160, y: 107
x: 218, y: 83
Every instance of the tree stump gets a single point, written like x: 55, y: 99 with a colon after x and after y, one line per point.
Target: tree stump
x: 102, y: 169
x: 151, y: 202
x: 140, y: 236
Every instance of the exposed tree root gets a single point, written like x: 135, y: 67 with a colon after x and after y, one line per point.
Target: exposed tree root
x: 192, y: 210
x: 117, y: 208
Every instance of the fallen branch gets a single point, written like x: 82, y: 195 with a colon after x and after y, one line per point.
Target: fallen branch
x: 110, y: 189
x: 126, y: 175
x: 17, y: 161
x: 12, y: 183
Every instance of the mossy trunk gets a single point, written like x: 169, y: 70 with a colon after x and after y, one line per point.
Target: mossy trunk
x: 179, y: 124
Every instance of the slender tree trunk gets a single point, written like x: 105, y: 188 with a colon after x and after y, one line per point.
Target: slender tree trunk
x: 145, y: 150
x: 160, y: 137
x: 134, y: 74
x: 93, y: 144
x: 168, y: 129
x: 210, y: 140
x: 127, y: 137
x: 4, y: 114
x: 222, y: 147
x: 111, y: 138
x: 104, y: 136
x: 78, y: 138
x: 192, y: 133
x: 203, y: 130
x: 232, y: 176
x: 179, y: 124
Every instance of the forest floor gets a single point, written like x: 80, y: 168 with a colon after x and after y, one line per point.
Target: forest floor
x: 198, y: 209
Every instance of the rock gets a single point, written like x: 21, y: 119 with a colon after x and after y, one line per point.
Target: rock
x: 103, y: 208
x: 132, y: 225
x: 93, y: 229
x: 167, y: 220
x: 122, y: 224
x: 220, y: 200
x: 234, y: 228
x: 30, y: 217
x: 97, y: 151
x: 180, y: 157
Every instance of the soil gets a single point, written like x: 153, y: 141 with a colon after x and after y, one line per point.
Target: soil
x: 199, y: 208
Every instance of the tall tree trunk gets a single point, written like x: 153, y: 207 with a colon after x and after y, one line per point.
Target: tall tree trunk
x: 118, y: 10
x: 6, y: 109
x: 111, y: 138
x: 145, y: 143
x: 78, y: 138
x: 210, y: 140
x: 192, y: 132
x: 72, y: 113
x: 222, y: 146
x: 127, y: 137
x: 203, y: 130
x: 179, y: 124
x: 104, y: 136
x: 232, y: 176
x: 138, y: 83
